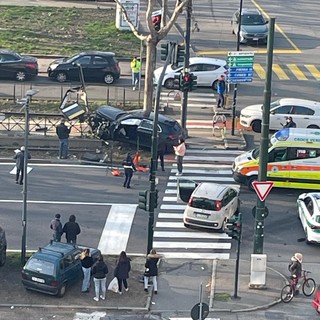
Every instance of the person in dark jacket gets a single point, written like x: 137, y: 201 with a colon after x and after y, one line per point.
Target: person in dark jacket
x: 71, y: 229
x: 296, y: 265
x: 99, y: 272
x: 56, y: 226
x: 19, y: 157
x: 63, y: 134
x: 86, y: 263
x: 151, y: 271
x: 122, y: 270
x: 221, y: 88
x: 128, y: 167
x: 161, y: 151
x: 290, y: 123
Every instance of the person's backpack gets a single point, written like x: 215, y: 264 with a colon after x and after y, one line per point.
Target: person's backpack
x: 290, y: 265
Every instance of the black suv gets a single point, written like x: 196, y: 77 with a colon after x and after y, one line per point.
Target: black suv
x: 52, y: 268
x: 17, y: 67
x: 3, y: 247
x: 96, y: 66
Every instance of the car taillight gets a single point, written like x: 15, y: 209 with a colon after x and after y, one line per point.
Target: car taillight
x: 190, y: 201
x: 54, y: 283
x: 32, y: 65
x: 218, y: 205
x: 315, y: 227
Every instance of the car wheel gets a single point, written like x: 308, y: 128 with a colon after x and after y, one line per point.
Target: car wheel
x: 249, y: 182
x: 187, y: 225
x: 256, y: 126
x: 20, y: 76
x: 61, y: 77
x: 62, y: 290
x: 313, y: 126
x: 215, y: 85
x: 169, y: 83
x: 3, y: 257
x: 108, y: 78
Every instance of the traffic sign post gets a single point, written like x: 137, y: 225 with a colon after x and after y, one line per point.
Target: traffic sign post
x: 240, y: 66
x: 262, y: 188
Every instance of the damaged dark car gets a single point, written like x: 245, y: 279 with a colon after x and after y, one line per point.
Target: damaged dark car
x: 134, y: 127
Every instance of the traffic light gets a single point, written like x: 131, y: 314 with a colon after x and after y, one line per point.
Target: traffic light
x: 144, y: 199
x: 177, y: 81
x: 164, y: 51
x: 180, y: 53
x: 193, y: 82
x: 156, y: 19
x: 185, y: 82
x: 234, y: 227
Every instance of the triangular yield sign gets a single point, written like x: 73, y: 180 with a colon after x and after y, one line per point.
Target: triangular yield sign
x: 262, y: 188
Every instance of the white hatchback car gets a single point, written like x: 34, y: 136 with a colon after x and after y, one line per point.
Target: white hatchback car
x: 210, y: 205
x: 308, y: 206
x: 208, y: 71
x: 305, y: 113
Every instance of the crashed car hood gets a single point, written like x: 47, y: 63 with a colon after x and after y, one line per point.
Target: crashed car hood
x: 110, y: 113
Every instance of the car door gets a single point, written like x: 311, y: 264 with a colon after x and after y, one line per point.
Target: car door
x: 8, y: 65
x: 185, y: 187
x: 144, y: 132
x: 234, y: 202
x: 278, y: 116
x: 197, y: 70
x: 307, y: 212
x: 98, y: 67
x: 278, y: 166
x: 302, y: 116
x: 85, y: 63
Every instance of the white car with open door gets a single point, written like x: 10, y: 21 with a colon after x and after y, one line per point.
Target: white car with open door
x: 308, y: 206
x: 210, y: 205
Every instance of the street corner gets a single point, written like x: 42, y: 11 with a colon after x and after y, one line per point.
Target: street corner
x: 235, y: 142
x: 246, y: 298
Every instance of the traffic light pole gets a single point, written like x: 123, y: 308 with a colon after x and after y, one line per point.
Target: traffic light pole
x: 235, y: 293
x: 184, y: 103
x: 235, y: 90
x: 264, y: 144
x: 154, y: 153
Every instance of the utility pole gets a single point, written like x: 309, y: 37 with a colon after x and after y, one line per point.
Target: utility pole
x: 184, y: 103
x: 235, y: 90
x: 264, y: 143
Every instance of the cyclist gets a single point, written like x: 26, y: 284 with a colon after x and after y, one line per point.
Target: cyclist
x: 295, y: 267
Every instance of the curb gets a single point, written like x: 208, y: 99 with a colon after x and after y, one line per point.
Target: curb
x: 243, y: 143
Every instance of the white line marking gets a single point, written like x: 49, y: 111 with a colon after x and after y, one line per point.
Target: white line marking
x: 205, y: 165
x: 204, y: 171
x: 191, y: 245
x: 190, y: 234
x: 209, y: 158
x: 169, y: 215
x: 174, y: 184
x: 195, y: 255
x: 202, y: 178
x: 115, y: 234
x: 173, y: 207
x: 83, y: 166
x: 213, y: 151
x: 169, y: 199
x: 170, y: 191
x: 161, y: 224
x: 68, y: 203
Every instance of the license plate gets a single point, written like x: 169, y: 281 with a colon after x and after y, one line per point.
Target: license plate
x: 201, y: 215
x: 37, y: 279
x: 255, y: 39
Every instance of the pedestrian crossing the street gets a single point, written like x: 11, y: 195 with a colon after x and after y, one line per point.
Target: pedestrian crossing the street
x: 171, y: 237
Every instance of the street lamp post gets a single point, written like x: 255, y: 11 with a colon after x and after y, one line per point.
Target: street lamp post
x: 26, y: 101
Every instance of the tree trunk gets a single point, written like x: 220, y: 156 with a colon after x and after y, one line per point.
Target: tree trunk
x: 150, y: 65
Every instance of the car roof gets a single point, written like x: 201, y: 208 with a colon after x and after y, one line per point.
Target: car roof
x: 210, y: 190
x: 250, y: 11
x: 141, y: 114
x: 7, y: 51
x: 301, y: 102
x: 111, y: 112
x: 101, y: 53
x: 316, y: 197
x: 220, y: 62
x: 54, y: 250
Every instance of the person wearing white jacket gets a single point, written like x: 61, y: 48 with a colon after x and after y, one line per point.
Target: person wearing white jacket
x: 180, y: 151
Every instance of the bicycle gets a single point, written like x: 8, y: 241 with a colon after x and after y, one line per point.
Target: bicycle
x: 289, y: 290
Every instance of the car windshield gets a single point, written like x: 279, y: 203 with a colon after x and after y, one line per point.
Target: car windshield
x: 40, y: 266
x: 203, y: 203
x: 252, y: 19
x: 71, y: 58
x: 176, y: 67
x: 273, y: 104
x: 255, y: 153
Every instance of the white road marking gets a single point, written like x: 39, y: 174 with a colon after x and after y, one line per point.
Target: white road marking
x: 201, y: 171
x: 169, y: 199
x: 67, y: 203
x: 204, y: 165
x: 195, y: 255
x: 191, y: 245
x: 212, y: 151
x: 174, y: 184
x: 190, y: 234
x: 202, y: 178
x: 173, y: 206
x: 92, y: 316
x: 115, y: 234
x: 169, y: 215
x: 211, y: 159
x: 178, y: 224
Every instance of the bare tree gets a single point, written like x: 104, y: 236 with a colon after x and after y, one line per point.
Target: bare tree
x: 152, y: 38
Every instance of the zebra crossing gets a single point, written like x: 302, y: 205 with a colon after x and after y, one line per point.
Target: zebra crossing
x: 171, y: 238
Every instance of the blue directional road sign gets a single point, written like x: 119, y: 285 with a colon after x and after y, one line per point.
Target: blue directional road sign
x: 240, y: 66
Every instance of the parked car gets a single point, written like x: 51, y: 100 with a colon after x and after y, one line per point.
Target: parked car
x: 17, y: 67
x: 305, y: 113
x: 96, y: 66
x: 308, y: 206
x: 54, y: 267
x: 134, y: 127
x: 207, y: 70
x: 210, y: 205
x: 253, y: 26
x: 3, y: 247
